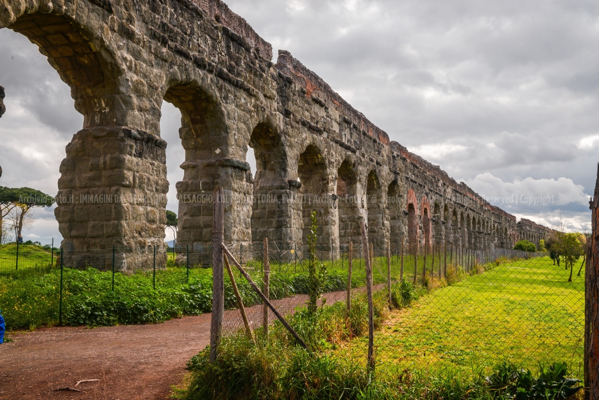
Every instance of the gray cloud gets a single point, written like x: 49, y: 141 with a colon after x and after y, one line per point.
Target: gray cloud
x: 506, y: 88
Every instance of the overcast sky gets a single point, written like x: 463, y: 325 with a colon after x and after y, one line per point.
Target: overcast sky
x: 502, y: 95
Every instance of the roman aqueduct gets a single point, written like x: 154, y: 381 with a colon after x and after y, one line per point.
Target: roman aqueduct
x: 123, y: 58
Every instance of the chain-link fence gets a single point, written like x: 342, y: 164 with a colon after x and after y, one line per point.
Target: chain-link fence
x: 44, y: 285
x: 449, y: 307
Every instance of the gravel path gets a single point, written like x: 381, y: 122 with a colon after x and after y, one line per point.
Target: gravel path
x: 126, y: 362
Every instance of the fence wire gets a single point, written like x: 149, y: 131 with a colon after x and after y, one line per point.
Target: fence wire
x: 450, y: 307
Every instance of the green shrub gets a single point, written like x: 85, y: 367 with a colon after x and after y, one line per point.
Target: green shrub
x: 321, y: 377
x: 453, y: 275
x: 525, y: 245
x: 511, y: 382
x: 242, y: 371
x: 403, y: 294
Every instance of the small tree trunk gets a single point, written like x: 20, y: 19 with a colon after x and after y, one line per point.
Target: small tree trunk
x: 266, y: 289
x: 20, y: 217
x: 571, y: 271
x: 401, y: 271
x: 582, y: 264
x: 349, y: 271
x: 389, y: 274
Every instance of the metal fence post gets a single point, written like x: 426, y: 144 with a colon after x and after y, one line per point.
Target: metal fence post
x: 113, y: 265
x: 154, y: 279
x: 61, y: 286
x: 187, y: 262
x: 52, y: 254
x: 17, y: 266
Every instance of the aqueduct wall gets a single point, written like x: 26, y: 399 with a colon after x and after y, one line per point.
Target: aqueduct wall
x: 123, y: 58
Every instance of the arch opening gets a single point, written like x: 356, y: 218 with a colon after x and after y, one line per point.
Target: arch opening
x: 376, y: 214
x: 204, y: 137
x: 348, y: 209
x: 426, y: 228
x: 90, y: 71
x: 312, y: 172
x: 270, y: 212
x: 412, y: 229
x: 395, y: 202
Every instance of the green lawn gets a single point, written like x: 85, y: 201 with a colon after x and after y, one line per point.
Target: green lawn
x: 31, y: 257
x: 522, y: 311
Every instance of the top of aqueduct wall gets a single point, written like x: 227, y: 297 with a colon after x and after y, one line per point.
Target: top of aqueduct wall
x: 315, y: 87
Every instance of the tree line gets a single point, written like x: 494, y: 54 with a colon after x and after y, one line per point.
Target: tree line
x: 566, y: 248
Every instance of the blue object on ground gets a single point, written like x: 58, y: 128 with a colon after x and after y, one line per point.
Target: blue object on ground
x: 2, y: 329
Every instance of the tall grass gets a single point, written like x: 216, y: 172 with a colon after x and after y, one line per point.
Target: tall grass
x: 280, y: 369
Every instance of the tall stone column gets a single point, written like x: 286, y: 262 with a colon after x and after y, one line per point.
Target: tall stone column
x: 274, y: 206
x: 112, y: 194
x: 196, y: 194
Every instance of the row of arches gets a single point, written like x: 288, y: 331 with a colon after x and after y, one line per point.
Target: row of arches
x: 297, y: 171
x: 458, y: 228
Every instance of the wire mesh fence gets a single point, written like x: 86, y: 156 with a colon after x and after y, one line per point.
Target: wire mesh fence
x: 447, y: 307
x: 450, y: 306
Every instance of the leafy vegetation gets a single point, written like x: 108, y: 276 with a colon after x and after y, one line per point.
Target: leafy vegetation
x: 525, y: 245
x: 32, y: 301
x: 280, y: 369
x: 511, y: 382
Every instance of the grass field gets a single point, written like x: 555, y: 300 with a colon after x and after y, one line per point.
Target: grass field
x: 31, y: 257
x: 524, y: 311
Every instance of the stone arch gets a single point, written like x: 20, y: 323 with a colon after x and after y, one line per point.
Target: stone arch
x: 108, y: 156
x: 468, y: 232
x: 349, y: 207
x: 204, y: 136
x: 204, y: 130
x: 85, y: 62
x: 376, y: 212
x: 437, y: 219
x: 455, y: 227
x: 271, y: 211
x: 313, y: 175
x: 448, y: 226
x: 476, y: 237
x: 425, y: 211
x: 412, y: 213
x: 394, y: 202
x: 463, y: 231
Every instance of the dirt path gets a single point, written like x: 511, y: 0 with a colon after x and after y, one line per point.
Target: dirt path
x: 130, y: 362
